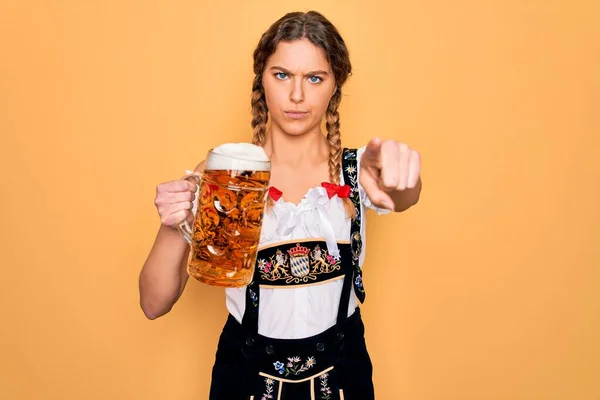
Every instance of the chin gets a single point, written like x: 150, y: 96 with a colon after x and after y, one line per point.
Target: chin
x: 297, y: 129
x: 294, y: 131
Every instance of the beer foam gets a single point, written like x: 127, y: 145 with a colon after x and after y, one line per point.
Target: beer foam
x: 238, y: 156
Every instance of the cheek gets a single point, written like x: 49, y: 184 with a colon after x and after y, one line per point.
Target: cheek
x: 275, y: 98
x: 320, y: 103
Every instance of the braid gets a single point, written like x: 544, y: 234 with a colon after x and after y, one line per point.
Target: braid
x: 260, y: 114
x: 335, y: 146
x: 333, y: 138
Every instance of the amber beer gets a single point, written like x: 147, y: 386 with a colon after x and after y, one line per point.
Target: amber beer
x: 228, y: 220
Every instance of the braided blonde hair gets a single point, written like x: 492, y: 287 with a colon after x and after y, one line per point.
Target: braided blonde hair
x: 260, y: 113
x: 334, y: 141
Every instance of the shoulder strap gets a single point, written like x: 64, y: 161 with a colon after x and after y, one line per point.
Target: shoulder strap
x: 354, y: 274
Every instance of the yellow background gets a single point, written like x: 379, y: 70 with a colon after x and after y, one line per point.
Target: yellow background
x: 487, y: 290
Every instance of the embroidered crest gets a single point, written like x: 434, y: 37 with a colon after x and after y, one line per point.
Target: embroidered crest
x: 299, y: 262
x: 322, y: 261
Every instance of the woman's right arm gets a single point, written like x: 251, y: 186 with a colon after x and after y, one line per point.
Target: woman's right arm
x: 164, y: 274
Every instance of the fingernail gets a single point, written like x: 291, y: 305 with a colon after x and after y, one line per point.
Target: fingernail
x: 389, y: 205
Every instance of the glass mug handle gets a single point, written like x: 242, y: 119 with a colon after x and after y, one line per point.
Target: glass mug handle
x: 184, y: 226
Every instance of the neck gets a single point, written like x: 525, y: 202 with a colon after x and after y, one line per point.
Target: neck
x: 283, y: 148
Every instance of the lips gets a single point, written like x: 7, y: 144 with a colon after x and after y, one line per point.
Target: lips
x: 295, y: 114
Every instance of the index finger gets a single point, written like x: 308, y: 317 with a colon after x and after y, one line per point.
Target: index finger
x: 372, y: 152
x: 374, y: 193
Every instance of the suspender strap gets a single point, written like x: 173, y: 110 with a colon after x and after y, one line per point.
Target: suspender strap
x: 349, y: 167
x: 250, y: 319
x: 350, y: 170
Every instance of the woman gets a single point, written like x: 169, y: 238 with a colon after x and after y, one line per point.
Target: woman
x: 284, y: 339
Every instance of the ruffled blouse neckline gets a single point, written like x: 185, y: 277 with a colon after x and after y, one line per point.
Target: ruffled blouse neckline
x: 312, y: 212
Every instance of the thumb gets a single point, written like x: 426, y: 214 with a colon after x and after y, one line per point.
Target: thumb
x: 372, y: 154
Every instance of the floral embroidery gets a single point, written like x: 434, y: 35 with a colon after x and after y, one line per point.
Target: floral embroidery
x: 268, y: 390
x: 253, y: 296
x: 265, y: 266
x: 352, y: 172
x: 358, y: 281
x: 351, y: 176
x: 325, y: 390
x: 294, y: 366
x: 350, y: 154
x: 301, y: 264
x: 279, y: 367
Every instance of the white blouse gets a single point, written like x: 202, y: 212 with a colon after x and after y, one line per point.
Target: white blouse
x: 299, y: 312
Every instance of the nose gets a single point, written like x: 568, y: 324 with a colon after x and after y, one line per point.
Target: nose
x: 297, y: 93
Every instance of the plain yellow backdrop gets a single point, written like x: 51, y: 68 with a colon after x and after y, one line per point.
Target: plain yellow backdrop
x: 489, y: 289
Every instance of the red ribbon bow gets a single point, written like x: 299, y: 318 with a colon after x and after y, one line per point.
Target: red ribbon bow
x: 333, y: 189
x: 275, y: 193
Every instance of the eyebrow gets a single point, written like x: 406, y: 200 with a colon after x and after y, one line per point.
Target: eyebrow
x: 311, y: 73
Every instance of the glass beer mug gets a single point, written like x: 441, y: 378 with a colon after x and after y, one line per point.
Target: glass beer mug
x: 227, y: 223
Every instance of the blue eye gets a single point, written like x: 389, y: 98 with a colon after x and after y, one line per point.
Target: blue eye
x: 315, y: 79
x: 281, y: 75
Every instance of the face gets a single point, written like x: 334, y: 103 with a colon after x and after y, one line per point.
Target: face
x: 298, y: 84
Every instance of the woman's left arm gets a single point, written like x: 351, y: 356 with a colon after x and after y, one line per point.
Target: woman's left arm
x: 390, y: 174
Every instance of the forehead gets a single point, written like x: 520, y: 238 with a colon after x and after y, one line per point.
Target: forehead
x: 299, y: 55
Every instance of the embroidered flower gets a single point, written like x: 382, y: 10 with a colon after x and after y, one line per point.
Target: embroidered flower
x: 254, y: 297
x: 294, y: 366
x: 358, y: 281
x: 330, y: 259
x: 267, y: 267
x: 349, y: 154
x: 268, y: 390
x: 279, y: 367
x: 261, y: 264
x: 325, y: 389
x: 350, y: 169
